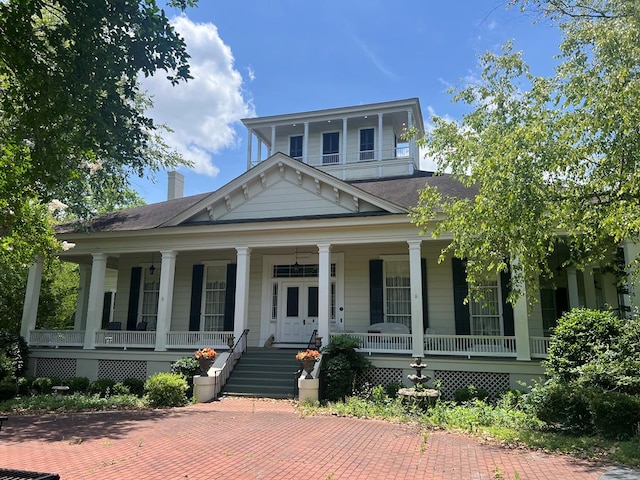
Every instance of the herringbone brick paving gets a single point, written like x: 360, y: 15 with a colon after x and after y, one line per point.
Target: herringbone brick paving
x: 240, y: 438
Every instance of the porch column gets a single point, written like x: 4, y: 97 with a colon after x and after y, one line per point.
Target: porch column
x: 305, y: 143
x: 344, y: 141
x: 165, y: 298
x: 259, y: 152
x: 631, y: 253
x: 80, y: 319
x: 380, y: 157
x: 241, y: 320
x: 415, y: 278
x: 520, y: 316
x: 249, y: 147
x: 31, y: 299
x: 96, y: 299
x: 412, y: 141
x: 589, y: 288
x: 572, y: 284
x: 272, y: 147
x: 324, y: 291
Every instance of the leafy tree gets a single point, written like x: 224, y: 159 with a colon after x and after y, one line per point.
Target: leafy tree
x: 72, y: 117
x: 554, y: 159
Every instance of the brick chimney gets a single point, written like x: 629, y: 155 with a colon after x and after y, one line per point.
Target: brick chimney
x: 175, y: 186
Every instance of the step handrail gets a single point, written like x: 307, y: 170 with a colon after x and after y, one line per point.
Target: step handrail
x: 298, y: 373
x: 234, y: 355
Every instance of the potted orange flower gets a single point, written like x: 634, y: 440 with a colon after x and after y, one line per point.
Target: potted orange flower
x: 308, y: 358
x: 205, y: 357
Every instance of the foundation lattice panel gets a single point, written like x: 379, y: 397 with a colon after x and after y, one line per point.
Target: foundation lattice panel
x: 118, y: 370
x: 56, y: 367
x: 494, y: 383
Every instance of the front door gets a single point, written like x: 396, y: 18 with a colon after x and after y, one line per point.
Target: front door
x: 299, y: 316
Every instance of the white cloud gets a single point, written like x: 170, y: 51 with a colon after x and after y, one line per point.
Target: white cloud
x: 203, y: 111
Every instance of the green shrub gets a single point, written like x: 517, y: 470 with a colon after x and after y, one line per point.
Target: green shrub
x: 8, y: 389
x: 135, y: 386
x: 102, y: 387
x: 467, y: 394
x: 166, y: 390
x: 188, y: 367
x: 25, y: 385
x: 42, y: 384
x: 77, y: 384
x: 120, y: 388
x: 615, y: 415
x: 14, y: 347
x: 343, y: 367
x: 561, y: 405
x: 392, y: 388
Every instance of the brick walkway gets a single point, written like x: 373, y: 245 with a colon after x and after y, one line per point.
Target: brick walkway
x: 261, y: 439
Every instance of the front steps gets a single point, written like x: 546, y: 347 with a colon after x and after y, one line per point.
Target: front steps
x: 264, y: 372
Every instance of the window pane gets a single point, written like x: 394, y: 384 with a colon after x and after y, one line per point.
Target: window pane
x: 312, y: 301
x: 293, y: 294
x: 215, y: 290
x: 484, y: 307
x: 397, y: 292
x: 366, y: 144
x: 295, y: 146
x: 331, y: 147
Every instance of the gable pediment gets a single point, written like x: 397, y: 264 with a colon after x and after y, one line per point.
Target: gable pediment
x: 279, y: 188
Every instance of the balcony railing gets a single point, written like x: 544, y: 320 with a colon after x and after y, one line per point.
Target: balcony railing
x: 56, y: 338
x: 539, y: 347
x: 359, y: 157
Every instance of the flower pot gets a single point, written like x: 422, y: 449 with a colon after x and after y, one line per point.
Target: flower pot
x: 308, y: 365
x: 205, y: 365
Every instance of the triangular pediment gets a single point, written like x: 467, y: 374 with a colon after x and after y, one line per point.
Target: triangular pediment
x: 280, y: 188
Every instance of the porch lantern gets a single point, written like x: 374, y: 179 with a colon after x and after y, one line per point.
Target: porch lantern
x: 152, y: 268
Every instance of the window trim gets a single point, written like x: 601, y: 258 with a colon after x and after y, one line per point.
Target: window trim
x: 331, y: 158
x: 386, y: 259
x: 208, y: 264
x: 368, y: 154
x: 500, y: 315
x: 299, y: 158
x: 144, y: 317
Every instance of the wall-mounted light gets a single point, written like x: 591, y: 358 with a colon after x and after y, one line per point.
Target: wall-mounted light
x: 152, y: 269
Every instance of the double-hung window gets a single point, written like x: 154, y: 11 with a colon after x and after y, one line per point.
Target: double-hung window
x: 215, y: 290
x: 330, y: 148
x: 150, y: 296
x: 485, y: 307
x: 397, y: 292
x: 295, y: 147
x: 366, y: 144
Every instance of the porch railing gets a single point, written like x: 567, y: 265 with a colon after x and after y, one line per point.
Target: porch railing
x: 125, y: 339
x: 382, y: 342
x: 470, y: 345
x: 359, y: 157
x: 539, y: 347
x: 187, y: 340
x: 234, y: 355
x: 56, y: 338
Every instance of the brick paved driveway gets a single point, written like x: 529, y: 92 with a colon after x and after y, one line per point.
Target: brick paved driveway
x: 261, y: 439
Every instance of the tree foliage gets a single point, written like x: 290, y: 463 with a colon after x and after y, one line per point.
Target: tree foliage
x: 72, y: 117
x: 555, y: 159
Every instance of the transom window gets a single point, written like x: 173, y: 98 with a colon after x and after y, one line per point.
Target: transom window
x: 331, y: 147
x: 397, y: 292
x: 215, y: 290
x: 295, y: 147
x: 485, y: 309
x: 299, y: 271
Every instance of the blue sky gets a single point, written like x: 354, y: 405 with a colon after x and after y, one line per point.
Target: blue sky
x: 255, y: 58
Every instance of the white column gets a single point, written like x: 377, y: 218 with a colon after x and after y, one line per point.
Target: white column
x: 589, y: 288
x: 415, y: 278
x: 631, y: 253
x: 572, y: 285
x: 413, y: 151
x: 380, y: 156
x: 80, y: 319
x: 249, y: 147
x: 31, y: 299
x: 241, y: 310
x: 344, y: 141
x: 96, y: 299
x: 165, y: 298
x: 520, y: 316
x: 324, y: 291
x: 272, y: 149
x: 259, y: 152
x: 305, y: 143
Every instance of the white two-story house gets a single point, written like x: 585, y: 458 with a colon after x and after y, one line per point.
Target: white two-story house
x: 314, y: 237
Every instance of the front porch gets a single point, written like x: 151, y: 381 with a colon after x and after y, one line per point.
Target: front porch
x: 379, y: 343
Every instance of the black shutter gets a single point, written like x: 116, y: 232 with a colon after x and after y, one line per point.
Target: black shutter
x: 376, y: 310
x: 106, y: 309
x: 460, y: 292
x: 507, y: 308
x: 134, y: 298
x: 230, y: 297
x: 197, y: 276
x: 425, y: 302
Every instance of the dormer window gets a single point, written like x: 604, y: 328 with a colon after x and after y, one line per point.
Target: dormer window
x: 295, y: 147
x: 330, y: 148
x: 366, y: 144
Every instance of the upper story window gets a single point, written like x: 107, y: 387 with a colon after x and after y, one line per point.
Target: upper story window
x: 330, y: 148
x: 366, y: 144
x: 295, y: 147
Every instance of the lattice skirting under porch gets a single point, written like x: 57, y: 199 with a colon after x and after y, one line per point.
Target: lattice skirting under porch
x: 56, y: 367
x: 385, y: 376
x: 118, y: 370
x: 494, y: 383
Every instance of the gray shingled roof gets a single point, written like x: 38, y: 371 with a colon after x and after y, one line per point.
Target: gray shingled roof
x: 402, y: 191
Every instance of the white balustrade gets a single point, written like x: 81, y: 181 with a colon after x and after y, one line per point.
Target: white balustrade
x: 470, y: 345
x: 358, y: 157
x: 382, y: 342
x: 125, y: 339
x: 56, y: 338
x: 539, y: 347
x: 187, y: 340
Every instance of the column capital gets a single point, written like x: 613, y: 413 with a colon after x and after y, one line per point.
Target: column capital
x: 324, y: 246
x: 414, y: 243
x: 168, y: 253
x: 244, y: 250
x: 97, y: 257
